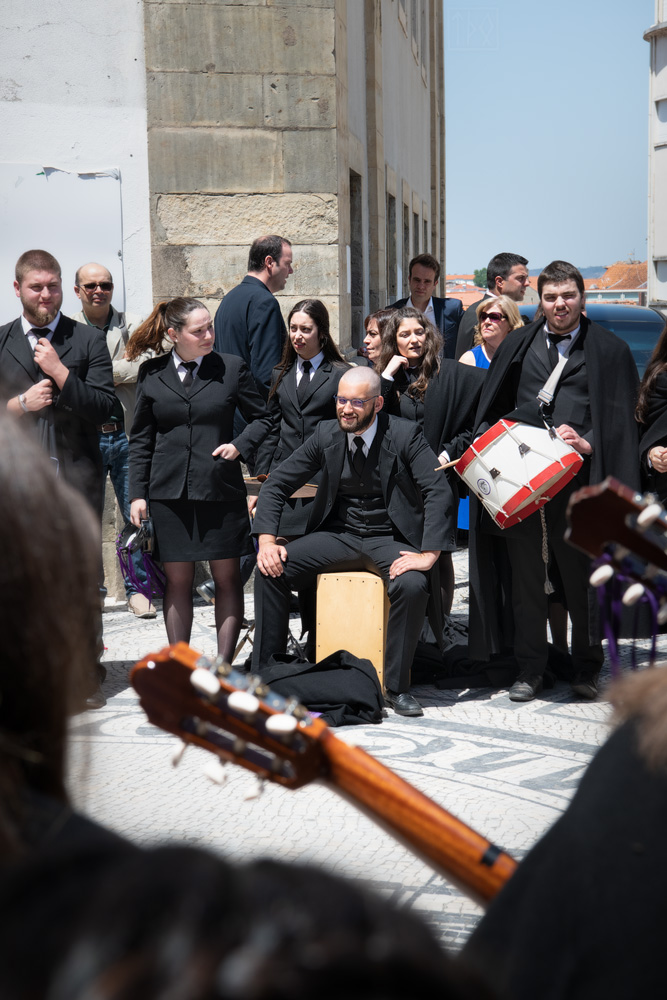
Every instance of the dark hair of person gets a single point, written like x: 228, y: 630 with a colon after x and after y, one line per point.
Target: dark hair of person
x: 320, y: 316
x: 500, y: 267
x: 430, y: 363
x: 151, y: 335
x: 176, y: 923
x: 425, y: 260
x: 266, y: 246
x: 49, y: 606
x: 656, y: 365
x: 557, y: 272
x: 36, y: 260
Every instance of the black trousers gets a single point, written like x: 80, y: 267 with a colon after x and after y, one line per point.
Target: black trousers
x: 529, y: 600
x: 338, y: 551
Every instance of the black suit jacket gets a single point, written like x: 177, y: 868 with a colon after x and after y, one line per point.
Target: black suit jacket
x: 68, y: 428
x: 174, y: 433
x: 418, y: 499
x: 293, y: 422
x: 249, y: 324
x: 448, y: 315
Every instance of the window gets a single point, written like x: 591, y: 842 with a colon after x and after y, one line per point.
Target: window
x: 391, y: 248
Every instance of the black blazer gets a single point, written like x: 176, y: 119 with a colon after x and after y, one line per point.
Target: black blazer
x: 174, y: 434
x: 249, y: 324
x: 69, y: 426
x: 448, y: 314
x: 292, y: 422
x: 419, y: 500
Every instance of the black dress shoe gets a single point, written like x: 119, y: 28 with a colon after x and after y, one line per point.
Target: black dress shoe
x: 525, y: 687
x: 403, y: 703
x: 586, y: 686
x: 96, y: 698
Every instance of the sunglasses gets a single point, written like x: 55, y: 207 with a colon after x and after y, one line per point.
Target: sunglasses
x: 496, y: 317
x: 104, y: 286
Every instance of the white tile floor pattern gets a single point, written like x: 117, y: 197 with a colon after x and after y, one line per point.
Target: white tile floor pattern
x: 506, y: 769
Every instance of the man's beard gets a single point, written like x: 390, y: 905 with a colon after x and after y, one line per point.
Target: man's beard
x: 363, y: 422
x: 39, y: 316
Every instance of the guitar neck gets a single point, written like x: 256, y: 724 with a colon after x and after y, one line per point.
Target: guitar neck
x: 463, y: 856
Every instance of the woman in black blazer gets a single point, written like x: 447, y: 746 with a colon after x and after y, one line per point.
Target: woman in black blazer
x: 184, y: 408
x: 297, y: 406
x: 438, y: 393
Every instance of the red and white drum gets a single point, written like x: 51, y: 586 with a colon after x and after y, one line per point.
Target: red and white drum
x: 514, y: 469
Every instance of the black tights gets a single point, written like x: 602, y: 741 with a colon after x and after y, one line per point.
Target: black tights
x: 228, y: 602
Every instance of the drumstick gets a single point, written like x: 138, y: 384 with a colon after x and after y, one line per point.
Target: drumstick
x: 447, y: 466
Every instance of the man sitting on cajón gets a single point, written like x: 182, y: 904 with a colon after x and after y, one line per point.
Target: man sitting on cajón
x: 380, y: 507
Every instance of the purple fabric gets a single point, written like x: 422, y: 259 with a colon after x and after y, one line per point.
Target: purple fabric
x: 611, y: 608
x: 153, y: 585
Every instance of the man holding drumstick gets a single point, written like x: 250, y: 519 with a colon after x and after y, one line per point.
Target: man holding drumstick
x: 593, y: 411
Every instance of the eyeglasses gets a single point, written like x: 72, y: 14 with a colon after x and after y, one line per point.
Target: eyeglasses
x: 104, y: 286
x: 358, y: 404
x: 496, y: 317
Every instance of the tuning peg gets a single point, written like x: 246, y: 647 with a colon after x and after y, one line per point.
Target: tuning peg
x: 243, y: 702
x: 255, y: 789
x: 601, y: 575
x: 214, y: 770
x: 649, y: 515
x: 281, y: 725
x: 633, y: 594
x: 177, y: 755
x: 204, y: 681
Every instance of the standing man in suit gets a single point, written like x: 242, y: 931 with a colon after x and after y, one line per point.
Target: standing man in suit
x: 506, y: 274
x: 249, y: 322
x: 60, y: 375
x: 593, y: 411
x: 60, y: 372
x: 93, y: 285
x: 379, y: 507
x: 444, y: 314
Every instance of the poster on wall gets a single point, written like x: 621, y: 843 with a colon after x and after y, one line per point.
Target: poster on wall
x: 75, y: 215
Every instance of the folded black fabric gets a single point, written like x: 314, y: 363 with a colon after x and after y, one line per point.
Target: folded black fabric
x: 342, y: 687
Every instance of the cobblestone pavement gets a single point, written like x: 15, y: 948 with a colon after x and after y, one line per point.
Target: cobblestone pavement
x: 506, y: 769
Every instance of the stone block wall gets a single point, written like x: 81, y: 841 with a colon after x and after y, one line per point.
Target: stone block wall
x: 242, y: 141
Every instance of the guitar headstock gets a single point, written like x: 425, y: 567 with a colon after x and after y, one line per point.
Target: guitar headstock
x: 626, y: 532
x: 235, y: 715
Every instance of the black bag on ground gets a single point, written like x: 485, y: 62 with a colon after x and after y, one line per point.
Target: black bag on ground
x: 342, y: 687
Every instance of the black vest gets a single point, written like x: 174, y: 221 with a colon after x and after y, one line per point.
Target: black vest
x: 360, y: 506
x: 572, y: 403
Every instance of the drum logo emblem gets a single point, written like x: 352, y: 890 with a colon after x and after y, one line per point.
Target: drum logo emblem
x: 484, y: 486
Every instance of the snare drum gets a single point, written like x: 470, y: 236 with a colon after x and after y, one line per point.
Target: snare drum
x: 514, y: 469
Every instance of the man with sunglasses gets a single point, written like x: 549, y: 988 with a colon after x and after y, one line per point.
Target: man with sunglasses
x: 93, y: 285
x: 380, y: 507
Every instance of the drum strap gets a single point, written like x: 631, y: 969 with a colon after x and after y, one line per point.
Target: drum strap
x: 548, y: 585
x: 548, y: 390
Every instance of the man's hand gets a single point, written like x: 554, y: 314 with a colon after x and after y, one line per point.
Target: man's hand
x: 396, y: 363
x: 138, y: 511
x: 422, y: 561
x: 658, y: 457
x: 271, y: 556
x: 226, y: 451
x: 47, y: 359
x: 39, y: 395
x: 570, y: 436
x: 252, y: 503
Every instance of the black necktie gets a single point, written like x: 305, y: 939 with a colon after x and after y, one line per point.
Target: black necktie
x: 358, y: 456
x: 39, y: 333
x: 554, y: 339
x: 189, y: 375
x: 305, y: 381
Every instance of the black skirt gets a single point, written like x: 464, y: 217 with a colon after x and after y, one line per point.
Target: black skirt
x: 198, y: 530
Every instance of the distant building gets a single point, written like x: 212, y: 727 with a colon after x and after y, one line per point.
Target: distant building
x: 657, y: 196
x: 624, y: 281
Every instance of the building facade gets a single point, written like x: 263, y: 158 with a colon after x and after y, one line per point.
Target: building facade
x: 656, y: 36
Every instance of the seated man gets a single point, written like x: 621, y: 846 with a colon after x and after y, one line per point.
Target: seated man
x: 380, y: 507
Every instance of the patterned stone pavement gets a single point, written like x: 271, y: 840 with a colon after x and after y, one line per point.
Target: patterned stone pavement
x: 506, y: 769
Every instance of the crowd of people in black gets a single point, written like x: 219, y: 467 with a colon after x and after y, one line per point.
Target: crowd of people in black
x: 116, y: 922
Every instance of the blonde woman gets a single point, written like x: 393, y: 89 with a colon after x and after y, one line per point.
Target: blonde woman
x: 495, y: 319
